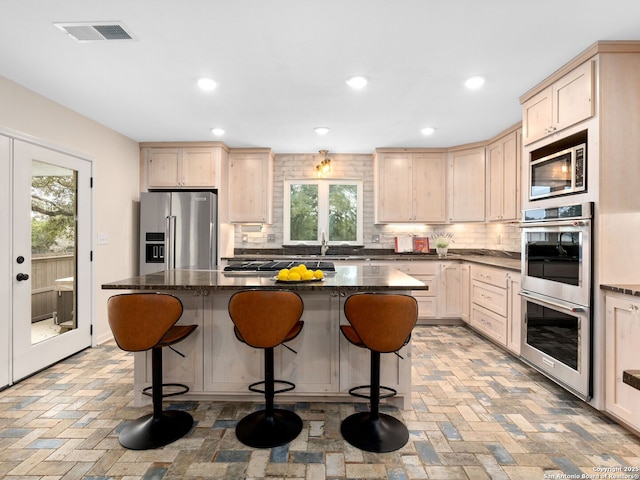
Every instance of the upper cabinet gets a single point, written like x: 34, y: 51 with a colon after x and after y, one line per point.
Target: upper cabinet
x: 566, y: 102
x: 250, y: 185
x: 503, y: 177
x: 467, y: 188
x: 410, y: 186
x: 176, y: 167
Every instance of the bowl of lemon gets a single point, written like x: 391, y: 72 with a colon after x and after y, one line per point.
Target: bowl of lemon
x: 299, y: 273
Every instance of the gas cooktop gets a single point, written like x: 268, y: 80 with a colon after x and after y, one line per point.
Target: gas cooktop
x: 277, y: 265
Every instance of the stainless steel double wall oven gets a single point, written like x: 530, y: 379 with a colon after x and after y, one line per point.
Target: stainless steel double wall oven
x: 557, y: 294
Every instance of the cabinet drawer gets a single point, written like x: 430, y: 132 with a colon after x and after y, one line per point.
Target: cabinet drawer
x: 489, y: 323
x: 492, y: 276
x: 490, y: 297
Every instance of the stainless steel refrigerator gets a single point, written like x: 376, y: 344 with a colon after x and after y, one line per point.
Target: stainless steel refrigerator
x: 178, y: 230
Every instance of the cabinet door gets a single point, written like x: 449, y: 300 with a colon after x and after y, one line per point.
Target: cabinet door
x: 314, y: 366
x: 622, y: 333
x: 429, y: 173
x: 450, y: 297
x: 503, y: 189
x: 536, y: 116
x: 395, y: 187
x: 495, y: 181
x: 250, y: 189
x: 163, y: 167
x: 467, y: 191
x: 573, y: 97
x: 514, y: 313
x: 200, y: 167
x: 465, y: 285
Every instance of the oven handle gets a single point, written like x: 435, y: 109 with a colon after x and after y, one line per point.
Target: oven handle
x: 554, y: 303
x: 557, y: 223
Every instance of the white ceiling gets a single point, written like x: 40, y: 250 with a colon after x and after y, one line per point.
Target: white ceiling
x: 282, y: 64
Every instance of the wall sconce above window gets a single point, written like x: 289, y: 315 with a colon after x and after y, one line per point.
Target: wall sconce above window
x: 324, y: 167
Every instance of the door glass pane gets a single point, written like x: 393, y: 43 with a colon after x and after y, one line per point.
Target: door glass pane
x: 304, y: 212
x: 343, y: 213
x: 53, y: 250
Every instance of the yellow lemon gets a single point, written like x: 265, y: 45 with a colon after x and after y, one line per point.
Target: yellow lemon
x: 319, y: 274
x: 294, y: 276
x: 294, y: 270
x: 302, y: 267
x: 283, y: 275
x: 307, y: 275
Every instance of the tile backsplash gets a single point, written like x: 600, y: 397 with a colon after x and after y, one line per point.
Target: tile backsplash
x: 491, y: 236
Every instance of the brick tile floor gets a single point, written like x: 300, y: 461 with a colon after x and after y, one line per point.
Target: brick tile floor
x: 477, y: 413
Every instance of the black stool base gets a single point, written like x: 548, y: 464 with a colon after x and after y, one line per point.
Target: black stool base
x: 261, y: 430
x: 382, y: 434
x: 148, y: 432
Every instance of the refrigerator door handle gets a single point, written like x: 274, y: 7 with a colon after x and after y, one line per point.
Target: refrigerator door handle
x: 168, y: 242
x: 172, y: 265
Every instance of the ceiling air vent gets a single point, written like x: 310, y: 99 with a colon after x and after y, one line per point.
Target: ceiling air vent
x: 94, y: 31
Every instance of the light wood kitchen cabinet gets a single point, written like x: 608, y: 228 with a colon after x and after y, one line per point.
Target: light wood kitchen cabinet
x: 427, y: 273
x: 503, y: 177
x: 465, y: 288
x: 467, y: 189
x: 622, y: 332
x: 450, y: 290
x: 514, y: 312
x: 251, y: 185
x: 182, y: 167
x: 410, y: 187
x: 489, y: 302
x: 566, y: 102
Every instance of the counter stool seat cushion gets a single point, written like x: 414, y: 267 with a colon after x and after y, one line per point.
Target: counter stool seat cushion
x: 141, y: 322
x: 381, y: 323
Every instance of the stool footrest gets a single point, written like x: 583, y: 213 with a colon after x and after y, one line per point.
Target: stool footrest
x: 289, y: 386
x: 182, y: 390
x: 354, y: 391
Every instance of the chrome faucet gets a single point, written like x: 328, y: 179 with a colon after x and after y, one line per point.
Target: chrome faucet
x: 324, y: 246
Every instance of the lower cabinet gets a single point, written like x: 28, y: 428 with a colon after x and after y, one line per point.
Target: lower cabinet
x: 622, y: 331
x: 514, y: 312
x: 489, y: 302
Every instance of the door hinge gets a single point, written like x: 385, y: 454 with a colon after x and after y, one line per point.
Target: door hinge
x: 91, y: 256
x: 90, y: 182
x: 91, y: 329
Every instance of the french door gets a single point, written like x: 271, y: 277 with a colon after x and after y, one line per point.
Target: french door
x: 50, y: 255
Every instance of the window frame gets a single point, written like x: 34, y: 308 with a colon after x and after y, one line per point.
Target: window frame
x: 323, y: 210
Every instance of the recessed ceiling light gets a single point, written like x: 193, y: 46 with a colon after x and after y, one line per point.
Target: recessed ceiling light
x: 207, y: 84
x: 357, y: 81
x: 217, y: 131
x: 321, y: 130
x: 427, y: 130
x: 473, y: 83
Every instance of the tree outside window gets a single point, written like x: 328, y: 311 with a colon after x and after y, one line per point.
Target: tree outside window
x: 314, y: 207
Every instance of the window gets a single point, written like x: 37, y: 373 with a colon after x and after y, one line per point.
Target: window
x: 314, y: 207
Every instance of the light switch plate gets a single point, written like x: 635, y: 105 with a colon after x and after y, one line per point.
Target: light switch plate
x: 271, y: 237
x: 103, y: 238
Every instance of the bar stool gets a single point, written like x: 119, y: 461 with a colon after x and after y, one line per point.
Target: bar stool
x: 382, y: 323
x: 265, y: 319
x: 146, y: 321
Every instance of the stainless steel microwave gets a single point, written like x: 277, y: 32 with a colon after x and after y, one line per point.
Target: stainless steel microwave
x: 560, y: 173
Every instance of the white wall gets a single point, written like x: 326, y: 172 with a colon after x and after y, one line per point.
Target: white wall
x: 116, y: 184
x: 505, y: 237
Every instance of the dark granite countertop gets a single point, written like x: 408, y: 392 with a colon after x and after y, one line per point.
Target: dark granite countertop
x: 507, y: 260
x: 346, y: 278
x: 627, y: 289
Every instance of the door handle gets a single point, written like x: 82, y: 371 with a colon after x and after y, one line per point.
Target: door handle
x: 22, y: 277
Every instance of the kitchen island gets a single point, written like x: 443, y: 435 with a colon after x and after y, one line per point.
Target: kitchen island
x: 324, y: 366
